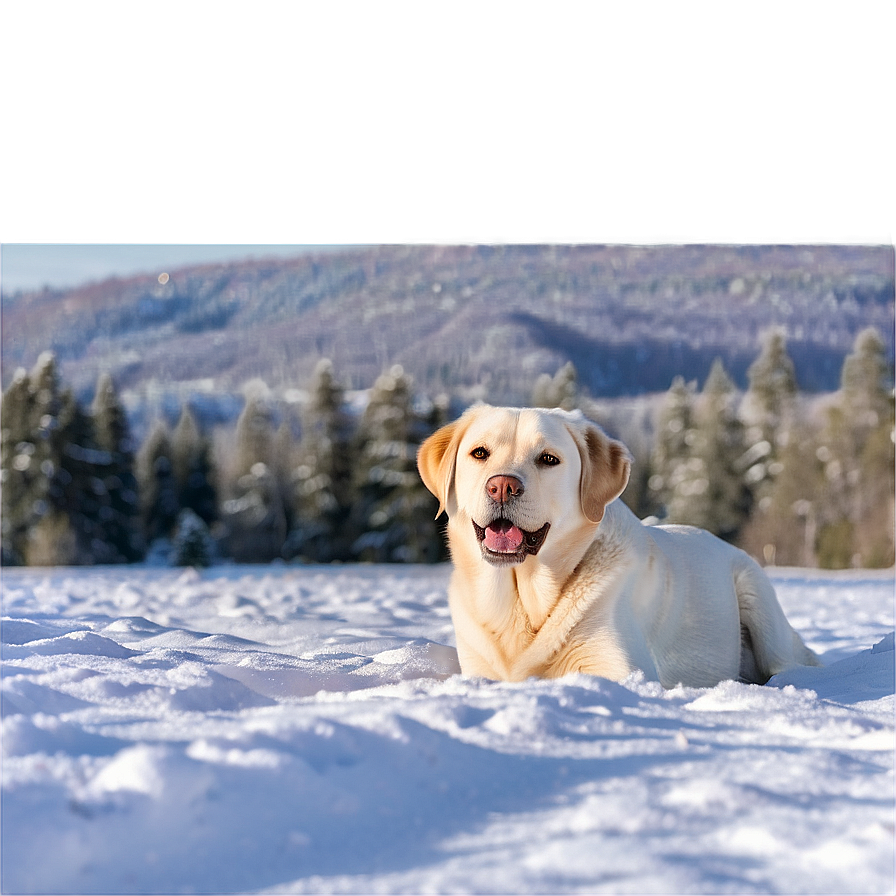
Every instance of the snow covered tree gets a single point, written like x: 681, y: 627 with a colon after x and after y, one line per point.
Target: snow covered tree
x: 193, y: 468
x: 255, y: 515
x: 557, y: 391
x: 725, y: 503
x: 44, y: 482
x: 672, y: 469
x: 193, y: 545
x: 80, y: 491
x: 158, y: 487
x: 69, y: 493
x: 393, y: 511
x: 783, y: 528
x: 254, y: 428
x: 768, y: 411
x: 322, y: 477
x: 856, y: 518
x: 119, y: 509
x: 23, y: 482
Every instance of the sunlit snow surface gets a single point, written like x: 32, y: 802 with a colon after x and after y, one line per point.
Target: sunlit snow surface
x: 304, y: 730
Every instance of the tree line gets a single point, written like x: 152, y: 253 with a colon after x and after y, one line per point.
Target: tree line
x: 791, y: 482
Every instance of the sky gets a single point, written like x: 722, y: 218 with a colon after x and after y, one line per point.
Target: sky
x: 334, y: 124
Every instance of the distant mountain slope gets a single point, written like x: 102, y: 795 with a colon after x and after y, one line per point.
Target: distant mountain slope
x: 470, y: 320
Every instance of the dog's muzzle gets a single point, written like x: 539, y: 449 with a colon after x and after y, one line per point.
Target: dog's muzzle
x: 502, y: 542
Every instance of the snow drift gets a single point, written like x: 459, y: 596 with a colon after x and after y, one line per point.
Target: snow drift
x: 305, y: 729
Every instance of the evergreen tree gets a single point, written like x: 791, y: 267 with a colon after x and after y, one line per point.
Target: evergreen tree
x: 40, y: 496
x: 193, y: 469
x: 725, y: 503
x: 772, y: 379
x: 255, y: 515
x: 719, y: 387
x: 866, y: 384
x: 77, y: 489
x: 283, y: 466
x: 769, y: 409
x: 109, y: 418
x: 393, y: 511
x: 783, y: 528
x: 323, y: 475
x: 255, y: 429
x: 856, y: 517
x: 48, y: 480
x: 558, y: 391
x: 158, y: 487
x: 672, y: 465
x: 69, y: 494
x: 193, y: 545
x: 119, y: 506
x: 22, y: 481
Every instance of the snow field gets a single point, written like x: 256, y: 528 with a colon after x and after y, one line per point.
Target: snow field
x: 305, y: 730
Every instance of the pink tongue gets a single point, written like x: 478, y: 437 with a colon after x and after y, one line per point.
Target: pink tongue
x: 503, y: 538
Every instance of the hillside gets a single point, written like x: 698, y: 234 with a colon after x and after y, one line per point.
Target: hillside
x: 469, y: 320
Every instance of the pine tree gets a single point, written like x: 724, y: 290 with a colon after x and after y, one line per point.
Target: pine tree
x: 119, y: 511
x: 769, y: 410
x: 17, y: 469
x: 323, y: 474
x: 158, y: 488
x: 283, y: 466
x: 193, y: 469
x: 558, y: 391
x: 865, y: 383
x: 78, y: 490
x: 109, y: 418
x: 254, y: 436
x: 393, y: 511
x: 47, y: 477
x: 719, y: 387
x: 856, y: 518
x: 43, y: 507
x: 672, y: 465
x: 725, y: 503
x: 783, y: 528
x: 255, y: 515
x: 193, y: 545
x: 772, y: 379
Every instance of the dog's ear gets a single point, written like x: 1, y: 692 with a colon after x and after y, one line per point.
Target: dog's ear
x: 436, y: 459
x: 606, y: 465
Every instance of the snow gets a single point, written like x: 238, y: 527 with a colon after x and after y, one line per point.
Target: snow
x: 292, y: 729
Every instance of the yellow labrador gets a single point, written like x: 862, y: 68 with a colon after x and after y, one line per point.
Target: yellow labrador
x: 553, y: 575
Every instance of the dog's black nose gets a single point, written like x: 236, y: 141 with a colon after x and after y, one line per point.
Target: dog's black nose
x: 502, y: 489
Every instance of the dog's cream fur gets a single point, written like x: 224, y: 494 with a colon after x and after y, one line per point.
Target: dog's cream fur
x: 603, y: 594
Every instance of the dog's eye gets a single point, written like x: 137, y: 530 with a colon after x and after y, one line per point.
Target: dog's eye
x: 546, y: 459
x: 480, y: 453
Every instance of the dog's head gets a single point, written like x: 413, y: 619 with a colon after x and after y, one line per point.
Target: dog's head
x: 520, y: 481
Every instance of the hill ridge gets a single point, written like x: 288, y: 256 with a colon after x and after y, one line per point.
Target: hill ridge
x: 467, y: 320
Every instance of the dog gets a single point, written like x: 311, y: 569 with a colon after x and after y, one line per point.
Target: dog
x: 553, y: 574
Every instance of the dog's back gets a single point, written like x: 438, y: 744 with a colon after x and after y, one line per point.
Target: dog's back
x: 768, y: 643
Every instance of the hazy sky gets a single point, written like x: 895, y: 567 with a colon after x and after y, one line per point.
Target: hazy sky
x: 593, y: 123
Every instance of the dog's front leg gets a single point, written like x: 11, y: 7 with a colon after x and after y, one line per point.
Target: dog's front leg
x: 475, y: 665
x: 613, y: 651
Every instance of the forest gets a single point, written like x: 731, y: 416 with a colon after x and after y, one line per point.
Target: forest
x: 793, y: 482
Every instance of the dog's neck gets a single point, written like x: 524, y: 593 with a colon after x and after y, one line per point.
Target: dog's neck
x: 518, y: 632
x: 521, y: 597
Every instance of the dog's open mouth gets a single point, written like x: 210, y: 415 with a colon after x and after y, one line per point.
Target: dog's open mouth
x: 503, y: 542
